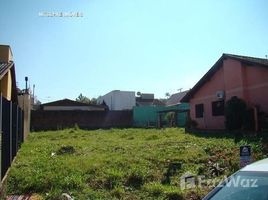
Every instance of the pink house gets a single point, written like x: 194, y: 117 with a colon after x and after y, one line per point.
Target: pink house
x: 232, y: 75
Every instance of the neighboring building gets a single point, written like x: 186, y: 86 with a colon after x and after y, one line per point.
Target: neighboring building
x: 176, y: 98
x: 67, y: 104
x: 118, y: 100
x: 151, y: 112
x: 155, y: 116
x: 7, y: 74
x: 146, y: 99
x: 232, y: 75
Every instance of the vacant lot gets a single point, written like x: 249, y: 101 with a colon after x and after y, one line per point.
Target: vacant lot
x: 122, y: 163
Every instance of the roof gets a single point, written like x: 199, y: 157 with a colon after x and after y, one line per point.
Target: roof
x: 175, y: 99
x: 251, y: 61
x: 149, y: 102
x: 68, y: 102
x: 4, y: 67
x: 259, y: 166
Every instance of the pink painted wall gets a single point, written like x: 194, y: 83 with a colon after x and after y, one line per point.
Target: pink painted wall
x: 256, y: 86
x: 247, y: 82
x: 206, y: 95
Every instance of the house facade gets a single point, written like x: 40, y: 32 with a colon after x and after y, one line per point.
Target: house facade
x: 153, y: 113
x: 7, y: 74
x: 232, y: 75
x: 118, y: 100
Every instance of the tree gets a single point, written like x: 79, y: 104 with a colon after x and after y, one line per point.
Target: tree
x: 237, y: 114
x: 171, y: 118
x: 93, y: 101
x: 167, y: 94
x: 84, y: 99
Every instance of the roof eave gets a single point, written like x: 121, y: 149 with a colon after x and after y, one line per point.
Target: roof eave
x: 9, y: 66
x: 206, y: 77
x: 213, y: 69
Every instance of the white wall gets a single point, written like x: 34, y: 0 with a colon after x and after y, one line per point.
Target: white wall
x: 119, y: 100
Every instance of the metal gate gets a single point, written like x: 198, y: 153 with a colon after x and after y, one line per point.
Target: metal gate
x: 11, y: 126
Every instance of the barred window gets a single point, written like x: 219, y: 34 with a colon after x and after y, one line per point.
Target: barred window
x: 199, y: 110
x: 218, y: 108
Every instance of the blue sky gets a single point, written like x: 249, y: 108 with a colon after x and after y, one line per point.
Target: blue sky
x: 154, y: 46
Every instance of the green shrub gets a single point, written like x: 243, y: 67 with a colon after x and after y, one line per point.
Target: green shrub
x: 191, y: 124
x: 238, y: 115
x: 76, y: 127
x: 263, y: 120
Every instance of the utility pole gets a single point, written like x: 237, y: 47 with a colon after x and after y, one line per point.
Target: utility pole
x: 26, y: 84
x: 33, y: 92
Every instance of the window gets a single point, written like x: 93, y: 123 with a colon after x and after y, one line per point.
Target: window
x: 241, y: 186
x: 218, y: 108
x: 199, y: 110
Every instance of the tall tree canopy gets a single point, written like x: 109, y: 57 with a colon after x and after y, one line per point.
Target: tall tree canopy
x: 83, y: 99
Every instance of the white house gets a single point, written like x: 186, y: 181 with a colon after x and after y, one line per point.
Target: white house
x: 118, y: 100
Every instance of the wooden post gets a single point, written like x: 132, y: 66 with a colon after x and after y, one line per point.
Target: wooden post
x: 159, y: 120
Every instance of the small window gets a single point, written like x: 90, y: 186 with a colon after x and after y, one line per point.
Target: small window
x: 199, y: 110
x: 218, y: 108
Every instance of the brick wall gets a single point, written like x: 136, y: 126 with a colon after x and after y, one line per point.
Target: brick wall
x: 53, y: 120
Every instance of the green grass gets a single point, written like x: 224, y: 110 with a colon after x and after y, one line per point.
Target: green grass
x: 122, y: 163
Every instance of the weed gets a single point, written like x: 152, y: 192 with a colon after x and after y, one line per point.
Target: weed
x: 66, y: 150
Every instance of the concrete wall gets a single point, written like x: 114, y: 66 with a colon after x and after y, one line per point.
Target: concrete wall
x: 247, y: 82
x: 119, y: 100
x: 24, y: 102
x: 53, y: 120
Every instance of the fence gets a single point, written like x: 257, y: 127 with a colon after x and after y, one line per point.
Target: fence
x: 42, y: 120
x: 11, y: 126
